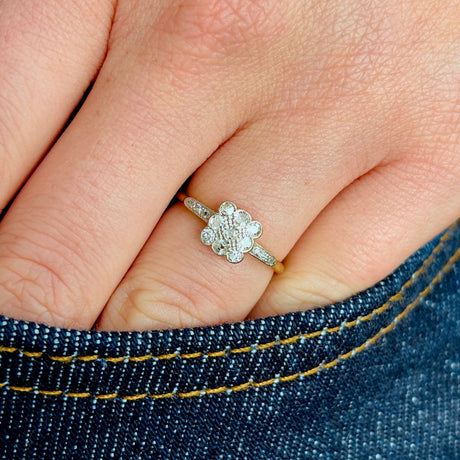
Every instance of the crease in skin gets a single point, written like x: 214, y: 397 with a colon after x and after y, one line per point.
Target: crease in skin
x: 148, y: 301
x: 185, y: 308
x: 220, y: 27
x: 300, y: 293
x: 114, y: 4
x: 25, y: 296
x: 51, y: 249
x: 139, y: 313
x: 42, y: 278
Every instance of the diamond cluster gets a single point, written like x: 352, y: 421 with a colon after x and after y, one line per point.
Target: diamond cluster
x: 231, y: 232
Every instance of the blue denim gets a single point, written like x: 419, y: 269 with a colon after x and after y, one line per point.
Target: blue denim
x: 373, y: 377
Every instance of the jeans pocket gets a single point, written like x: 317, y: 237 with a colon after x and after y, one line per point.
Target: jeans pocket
x: 374, y: 376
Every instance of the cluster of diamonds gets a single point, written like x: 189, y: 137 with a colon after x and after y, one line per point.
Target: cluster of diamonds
x: 231, y: 232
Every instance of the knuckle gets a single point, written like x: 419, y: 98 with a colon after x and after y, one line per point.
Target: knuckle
x: 33, y: 291
x: 142, y: 309
x: 35, y: 285
x: 159, y: 307
x: 145, y: 301
x: 191, y: 35
x: 222, y: 25
x: 301, y: 290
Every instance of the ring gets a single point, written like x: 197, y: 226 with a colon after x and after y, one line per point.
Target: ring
x: 231, y: 232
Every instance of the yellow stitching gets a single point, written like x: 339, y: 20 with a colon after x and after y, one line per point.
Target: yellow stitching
x: 190, y: 394
x: 51, y: 393
x: 134, y: 397
x: 141, y: 358
x: 169, y: 356
x: 241, y: 350
x: 210, y: 391
x: 214, y: 354
x: 32, y: 354
x: 11, y: 350
x: 109, y: 396
x: 250, y: 384
x: 311, y: 371
x: 262, y: 384
x: 241, y: 387
x: 26, y: 389
x: 288, y: 378
x: 263, y: 346
x: 62, y: 359
x: 88, y: 358
x: 78, y: 395
x: 163, y: 396
x: 111, y: 360
x: 191, y: 355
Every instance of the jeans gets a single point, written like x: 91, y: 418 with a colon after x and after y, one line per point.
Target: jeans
x: 376, y: 376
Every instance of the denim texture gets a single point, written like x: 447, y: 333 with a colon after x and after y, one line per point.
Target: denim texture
x: 376, y: 376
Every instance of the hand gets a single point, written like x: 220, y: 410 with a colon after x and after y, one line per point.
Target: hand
x: 335, y: 124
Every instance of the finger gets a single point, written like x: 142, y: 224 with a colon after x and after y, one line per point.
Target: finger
x: 50, y: 51
x: 176, y: 281
x: 364, y: 234
x: 83, y: 216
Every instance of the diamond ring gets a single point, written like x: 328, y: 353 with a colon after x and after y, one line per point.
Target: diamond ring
x: 231, y: 232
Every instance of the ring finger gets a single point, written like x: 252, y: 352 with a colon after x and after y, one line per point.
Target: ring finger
x: 176, y: 281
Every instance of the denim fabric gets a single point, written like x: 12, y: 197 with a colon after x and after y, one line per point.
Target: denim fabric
x: 375, y: 376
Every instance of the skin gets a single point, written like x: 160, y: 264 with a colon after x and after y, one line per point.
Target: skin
x: 336, y: 124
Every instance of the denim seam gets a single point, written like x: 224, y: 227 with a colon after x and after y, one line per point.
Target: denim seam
x: 251, y: 384
x: 251, y: 348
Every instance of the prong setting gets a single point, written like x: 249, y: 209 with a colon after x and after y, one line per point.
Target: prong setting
x: 231, y: 232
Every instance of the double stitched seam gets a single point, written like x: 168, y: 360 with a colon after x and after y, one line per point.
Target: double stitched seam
x: 251, y: 384
x: 250, y: 348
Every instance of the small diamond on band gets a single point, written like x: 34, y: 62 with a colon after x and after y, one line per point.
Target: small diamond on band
x: 231, y: 232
